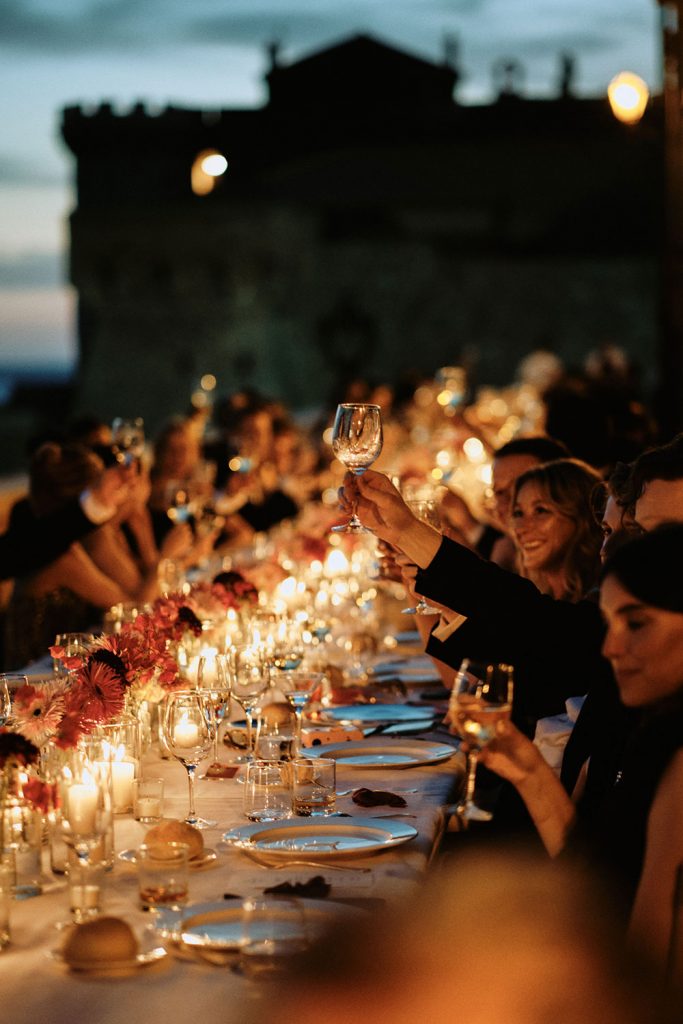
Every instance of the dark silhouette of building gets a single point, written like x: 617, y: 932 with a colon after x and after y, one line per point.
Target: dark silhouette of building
x: 366, y: 223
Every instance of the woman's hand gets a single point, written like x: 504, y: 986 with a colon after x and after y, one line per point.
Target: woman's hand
x: 511, y: 754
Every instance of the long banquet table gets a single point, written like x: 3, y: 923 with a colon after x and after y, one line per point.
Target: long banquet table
x: 34, y: 987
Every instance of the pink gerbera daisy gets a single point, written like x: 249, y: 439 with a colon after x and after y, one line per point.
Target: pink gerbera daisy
x: 37, y: 712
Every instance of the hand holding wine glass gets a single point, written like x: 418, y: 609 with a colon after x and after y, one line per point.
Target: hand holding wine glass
x: 357, y: 442
x: 481, y: 699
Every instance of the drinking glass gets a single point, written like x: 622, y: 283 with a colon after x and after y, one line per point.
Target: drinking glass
x: 250, y: 678
x: 213, y: 682
x: 128, y: 439
x: 427, y: 510
x: 481, y: 698
x: 287, y: 645
x: 273, y: 929
x: 189, y: 737
x: 267, y: 791
x: 298, y: 688
x: 314, y: 784
x: 163, y: 874
x: 74, y: 645
x: 357, y: 442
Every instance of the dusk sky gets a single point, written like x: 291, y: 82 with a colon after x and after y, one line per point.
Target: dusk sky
x: 211, y: 53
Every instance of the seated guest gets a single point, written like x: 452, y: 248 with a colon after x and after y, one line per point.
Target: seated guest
x: 635, y: 831
x: 30, y: 542
x: 655, y: 486
x: 69, y: 593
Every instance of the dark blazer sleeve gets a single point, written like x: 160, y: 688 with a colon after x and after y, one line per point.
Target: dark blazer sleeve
x: 30, y: 543
x: 523, y: 620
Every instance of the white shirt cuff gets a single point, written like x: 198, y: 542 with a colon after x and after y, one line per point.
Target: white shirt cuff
x: 94, y: 509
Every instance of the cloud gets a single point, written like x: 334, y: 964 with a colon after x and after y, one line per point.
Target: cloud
x: 31, y: 270
x: 102, y: 26
x: 17, y: 171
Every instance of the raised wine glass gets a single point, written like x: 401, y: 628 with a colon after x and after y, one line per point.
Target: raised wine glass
x: 189, y: 737
x: 357, y: 442
x: 427, y: 510
x: 481, y: 699
x: 128, y: 439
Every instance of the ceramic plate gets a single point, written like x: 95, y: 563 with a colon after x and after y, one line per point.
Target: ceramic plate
x: 196, y: 863
x: 321, y: 839
x: 378, y: 714
x: 113, y: 970
x: 383, y: 753
x: 218, y: 925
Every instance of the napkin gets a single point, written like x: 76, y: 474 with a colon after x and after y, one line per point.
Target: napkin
x: 315, y: 888
x: 376, y: 798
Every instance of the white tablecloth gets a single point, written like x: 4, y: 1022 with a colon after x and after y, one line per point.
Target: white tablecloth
x: 34, y: 988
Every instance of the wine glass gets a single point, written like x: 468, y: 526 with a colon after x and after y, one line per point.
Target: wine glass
x: 213, y: 683
x: 298, y: 688
x: 357, y: 442
x: 128, y: 439
x: 188, y: 736
x: 84, y: 823
x: 250, y: 680
x: 10, y: 682
x: 427, y: 510
x: 481, y: 699
x: 287, y: 645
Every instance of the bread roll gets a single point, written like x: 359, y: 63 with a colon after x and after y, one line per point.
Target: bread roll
x: 170, y: 831
x: 277, y: 714
x: 103, y: 941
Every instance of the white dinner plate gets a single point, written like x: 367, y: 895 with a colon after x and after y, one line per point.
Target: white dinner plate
x: 321, y: 839
x: 195, y: 863
x: 218, y: 925
x: 377, y: 714
x: 386, y: 753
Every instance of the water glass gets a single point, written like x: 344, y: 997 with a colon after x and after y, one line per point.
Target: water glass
x: 163, y: 874
x: 148, y: 800
x: 314, y: 781
x: 267, y: 791
x: 273, y: 929
x: 85, y: 888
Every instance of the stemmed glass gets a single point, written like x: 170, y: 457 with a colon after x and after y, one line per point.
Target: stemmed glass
x: 85, y: 814
x: 128, y: 439
x: 250, y: 680
x: 357, y: 442
x: 427, y: 511
x: 480, y: 700
x: 188, y: 736
x: 298, y: 688
x: 216, y: 690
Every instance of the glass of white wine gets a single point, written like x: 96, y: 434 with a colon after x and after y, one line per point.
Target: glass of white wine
x: 357, y: 442
x: 480, y: 700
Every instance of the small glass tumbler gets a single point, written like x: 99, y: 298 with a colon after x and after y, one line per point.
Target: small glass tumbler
x: 85, y: 889
x: 314, y: 782
x: 7, y: 876
x: 267, y: 791
x: 273, y: 930
x: 148, y: 800
x: 163, y: 874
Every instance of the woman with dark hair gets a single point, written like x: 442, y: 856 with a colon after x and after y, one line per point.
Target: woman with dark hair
x: 632, y: 827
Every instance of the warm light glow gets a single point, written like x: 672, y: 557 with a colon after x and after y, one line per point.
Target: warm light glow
x: 208, y: 382
x: 215, y: 164
x: 474, y: 449
x: 443, y: 459
x: 209, y: 166
x: 336, y: 564
x: 628, y: 95
x: 444, y: 397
